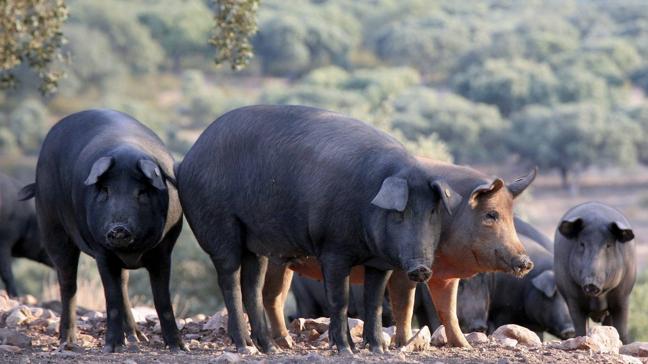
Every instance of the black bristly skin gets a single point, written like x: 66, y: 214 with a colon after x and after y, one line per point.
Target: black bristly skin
x: 595, y: 265
x: 104, y: 187
x: 19, y: 235
x: 292, y: 181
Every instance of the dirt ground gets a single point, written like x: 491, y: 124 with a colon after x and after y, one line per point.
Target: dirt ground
x: 44, y: 351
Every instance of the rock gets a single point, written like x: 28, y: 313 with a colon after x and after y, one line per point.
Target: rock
x: 324, y: 337
x: 313, y: 335
x: 476, y: 338
x: 439, y: 337
x: 28, y: 300
x: 386, y: 338
x: 10, y: 349
x: 606, y: 337
x: 217, y: 321
x: 6, y: 303
x: 158, y: 327
x: 321, y: 324
x: 635, y: 349
x: 355, y: 327
x: 419, y: 342
x: 53, y: 325
x: 507, y: 342
x: 630, y: 359
x: 199, y: 317
x: 141, y: 312
x: 522, y: 335
x: 95, y: 315
x: 36, y: 311
x: 14, y: 338
x: 18, y: 316
x: 227, y: 358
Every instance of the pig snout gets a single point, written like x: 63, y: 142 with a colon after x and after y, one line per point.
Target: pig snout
x: 521, y: 265
x: 420, y: 273
x: 119, y: 236
x: 592, y: 290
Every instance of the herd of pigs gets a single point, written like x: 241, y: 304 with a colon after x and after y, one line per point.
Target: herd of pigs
x: 272, y: 190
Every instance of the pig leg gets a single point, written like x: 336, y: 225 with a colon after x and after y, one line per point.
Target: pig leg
x: 444, y: 297
x: 275, y: 292
x: 336, y: 270
x: 65, y: 256
x: 5, y: 271
x: 579, y: 317
x: 619, y: 318
x: 160, y: 274
x: 133, y: 334
x: 253, y: 270
x: 374, y: 294
x: 401, y: 295
x: 111, y: 277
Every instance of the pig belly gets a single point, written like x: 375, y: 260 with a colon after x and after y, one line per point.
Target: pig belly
x: 310, y: 267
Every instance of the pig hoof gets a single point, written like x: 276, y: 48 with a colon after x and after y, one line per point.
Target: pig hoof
x: 178, y: 347
x: 247, y: 350
x: 285, y: 342
x: 112, y: 348
x: 67, y: 346
x: 346, y: 352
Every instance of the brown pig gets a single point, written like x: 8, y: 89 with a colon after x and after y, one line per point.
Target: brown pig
x: 479, y: 236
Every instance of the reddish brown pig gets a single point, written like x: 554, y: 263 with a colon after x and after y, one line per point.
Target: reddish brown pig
x: 478, y: 237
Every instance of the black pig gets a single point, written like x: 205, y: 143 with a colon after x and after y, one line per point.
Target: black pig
x: 291, y: 182
x: 595, y: 265
x: 18, y: 232
x: 104, y: 187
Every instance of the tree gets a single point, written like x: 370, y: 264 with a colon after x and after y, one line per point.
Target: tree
x: 288, y: 46
x: 31, y: 35
x: 235, y: 26
x: 510, y: 85
x: 27, y: 123
x: 572, y: 137
x: 470, y: 130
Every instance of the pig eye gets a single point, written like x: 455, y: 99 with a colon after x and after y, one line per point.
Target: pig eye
x: 490, y: 218
x: 142, y: 196
x: 582, y: 244
x: 103, y: 193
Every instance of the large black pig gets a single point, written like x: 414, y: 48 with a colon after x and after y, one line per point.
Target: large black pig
x: 291, y: 182
x: 595, y: 265
x: 104, y: 187
x: 18, y: 232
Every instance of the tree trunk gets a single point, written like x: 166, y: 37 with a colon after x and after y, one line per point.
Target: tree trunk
x: 564, y: 178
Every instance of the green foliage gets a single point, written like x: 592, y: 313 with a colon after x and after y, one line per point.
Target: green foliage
x: 289, y: 46
x: 131, y: 41
x: 470, y: 130
x: 180, y: 30
x: 235, y: 25
x: 573, y: 136
x: 638, y: 320
x: 95, y: 63
x: 30, y: 33
x: 27, y: 123
x: 508, y: 84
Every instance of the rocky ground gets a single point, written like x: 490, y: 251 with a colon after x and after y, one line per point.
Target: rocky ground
x: 28, y: 332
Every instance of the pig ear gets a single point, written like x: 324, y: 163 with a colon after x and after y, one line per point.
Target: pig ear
x: 545, y: 282
x: 621, y: 231
x: 99, y: 167
x: 485, y: 189
x: 570, y: 228
x: 393, y: 194
x: 27, y: 192
x: 449, y: 197
x: 519, y: 185
x: 152, y: 172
